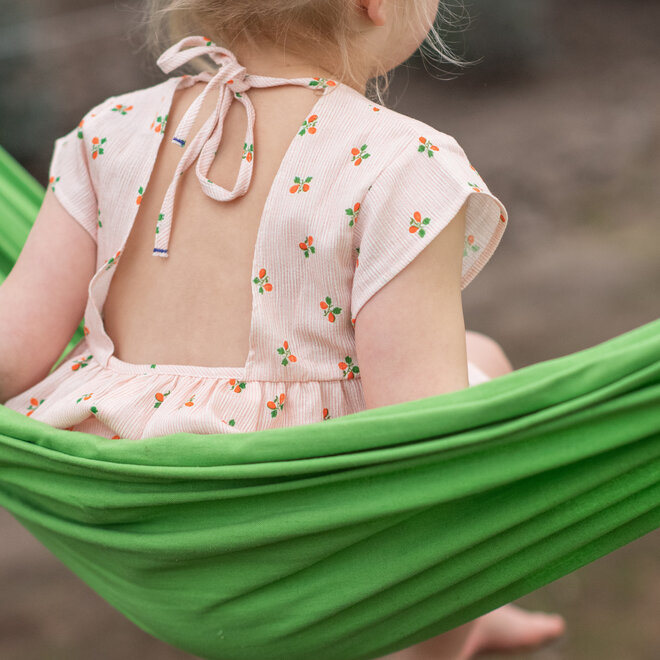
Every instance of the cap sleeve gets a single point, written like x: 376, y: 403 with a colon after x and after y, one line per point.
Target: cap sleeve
x: 411, y: 201
x: 70, y: 180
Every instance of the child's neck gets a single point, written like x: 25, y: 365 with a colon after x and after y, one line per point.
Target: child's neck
x: 271, y: 61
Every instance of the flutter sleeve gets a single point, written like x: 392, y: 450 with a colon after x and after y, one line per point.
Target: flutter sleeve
x: 410, y: 202
x: 70, y: 179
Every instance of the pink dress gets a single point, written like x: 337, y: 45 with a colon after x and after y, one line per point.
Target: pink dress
x: 360, y: 192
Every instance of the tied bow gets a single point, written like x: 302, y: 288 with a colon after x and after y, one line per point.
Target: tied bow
x: 231, y: 80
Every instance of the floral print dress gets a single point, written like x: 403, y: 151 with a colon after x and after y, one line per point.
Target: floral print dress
x: 360, y: 192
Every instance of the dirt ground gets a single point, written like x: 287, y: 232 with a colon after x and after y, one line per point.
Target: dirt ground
x: 572, y: 148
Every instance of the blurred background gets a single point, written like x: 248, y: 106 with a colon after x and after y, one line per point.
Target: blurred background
x: 560, y: 116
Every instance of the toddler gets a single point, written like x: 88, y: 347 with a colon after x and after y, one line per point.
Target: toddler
x: 258, y: 245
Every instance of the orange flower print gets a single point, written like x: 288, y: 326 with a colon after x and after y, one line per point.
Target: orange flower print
x: 375, y: 108
x: 416, y: 223
x: 159, y: 124
x: 113, y: 260
x: 80, y: 363
x: 84, y: 397
x: 302, y: 185
x: 469, y: 243
x: 248, y: 152
x: 353, y: 322
x: 427, y: 146
x: 321, y: 83
x: 262, y: 281
x: 349, y: 369
x: 502, y: 218
x: 236, y: 385
x: 353, y: 213
x: 309, y: 125
x: 34, y: 404
x: 99, y: 218
x: 276, y: 404
x: 231, y: 422
x: 138, y: 201
x: 160, y: 397
x: 328, y: 310
x: 358, y: 155
x: 52, y: 181
x: 474, y: 187
x: 115, y: 437
x: 326, y: 414
x: 189, y: 404
x: 97, y: 149
x: 307, y: 247
x: 85, y: 330
x: 208, y: 41
x: 357, y: 260
x: 121, y: 108
x: 80, y: 125
x: 286, y: 352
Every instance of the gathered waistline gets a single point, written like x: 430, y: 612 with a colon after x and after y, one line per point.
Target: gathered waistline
x: 116, y: 365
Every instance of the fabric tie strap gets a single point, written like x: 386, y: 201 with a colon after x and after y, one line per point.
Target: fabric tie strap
x: 232, y: 80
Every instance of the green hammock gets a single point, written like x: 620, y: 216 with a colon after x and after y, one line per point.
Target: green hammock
x: 353, y: 537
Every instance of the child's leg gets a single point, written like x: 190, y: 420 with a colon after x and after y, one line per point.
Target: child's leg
x: 487, y: 354
x: 448, y: 646
x: 508, y: 627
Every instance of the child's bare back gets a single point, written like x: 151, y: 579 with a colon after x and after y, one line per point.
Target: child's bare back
x: 195, y: 307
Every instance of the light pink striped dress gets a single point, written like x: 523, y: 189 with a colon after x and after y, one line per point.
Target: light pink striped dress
x: 360, y: 192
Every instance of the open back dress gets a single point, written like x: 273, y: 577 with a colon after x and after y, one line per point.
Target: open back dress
x: 360, y: 192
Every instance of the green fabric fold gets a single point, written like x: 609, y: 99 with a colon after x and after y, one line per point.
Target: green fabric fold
x: 357, y: 536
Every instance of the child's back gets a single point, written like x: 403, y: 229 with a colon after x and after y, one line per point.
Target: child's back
x: 249, y: 321
x: 195, y: 307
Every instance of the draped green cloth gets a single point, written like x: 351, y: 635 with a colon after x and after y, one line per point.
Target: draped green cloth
x: 353, y: 537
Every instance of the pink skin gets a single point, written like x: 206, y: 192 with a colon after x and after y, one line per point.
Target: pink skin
x: 507, y: 628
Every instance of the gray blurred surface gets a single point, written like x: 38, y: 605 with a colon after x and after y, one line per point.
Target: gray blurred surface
x: 561, y: 120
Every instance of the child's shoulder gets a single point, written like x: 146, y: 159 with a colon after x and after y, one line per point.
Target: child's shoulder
x: 143, y: 100
x: 407, y: 135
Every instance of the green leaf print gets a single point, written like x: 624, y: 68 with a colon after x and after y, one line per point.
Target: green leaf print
x: 428, y: 146
x: 416, y: 223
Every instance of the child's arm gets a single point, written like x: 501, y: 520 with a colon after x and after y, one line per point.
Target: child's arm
x: 43, y: 298
x: 410, y: 335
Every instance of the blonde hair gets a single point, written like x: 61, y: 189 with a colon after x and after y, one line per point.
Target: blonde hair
x: 301, y: 26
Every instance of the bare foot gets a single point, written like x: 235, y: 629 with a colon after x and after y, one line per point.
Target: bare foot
x: 511, y: 628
